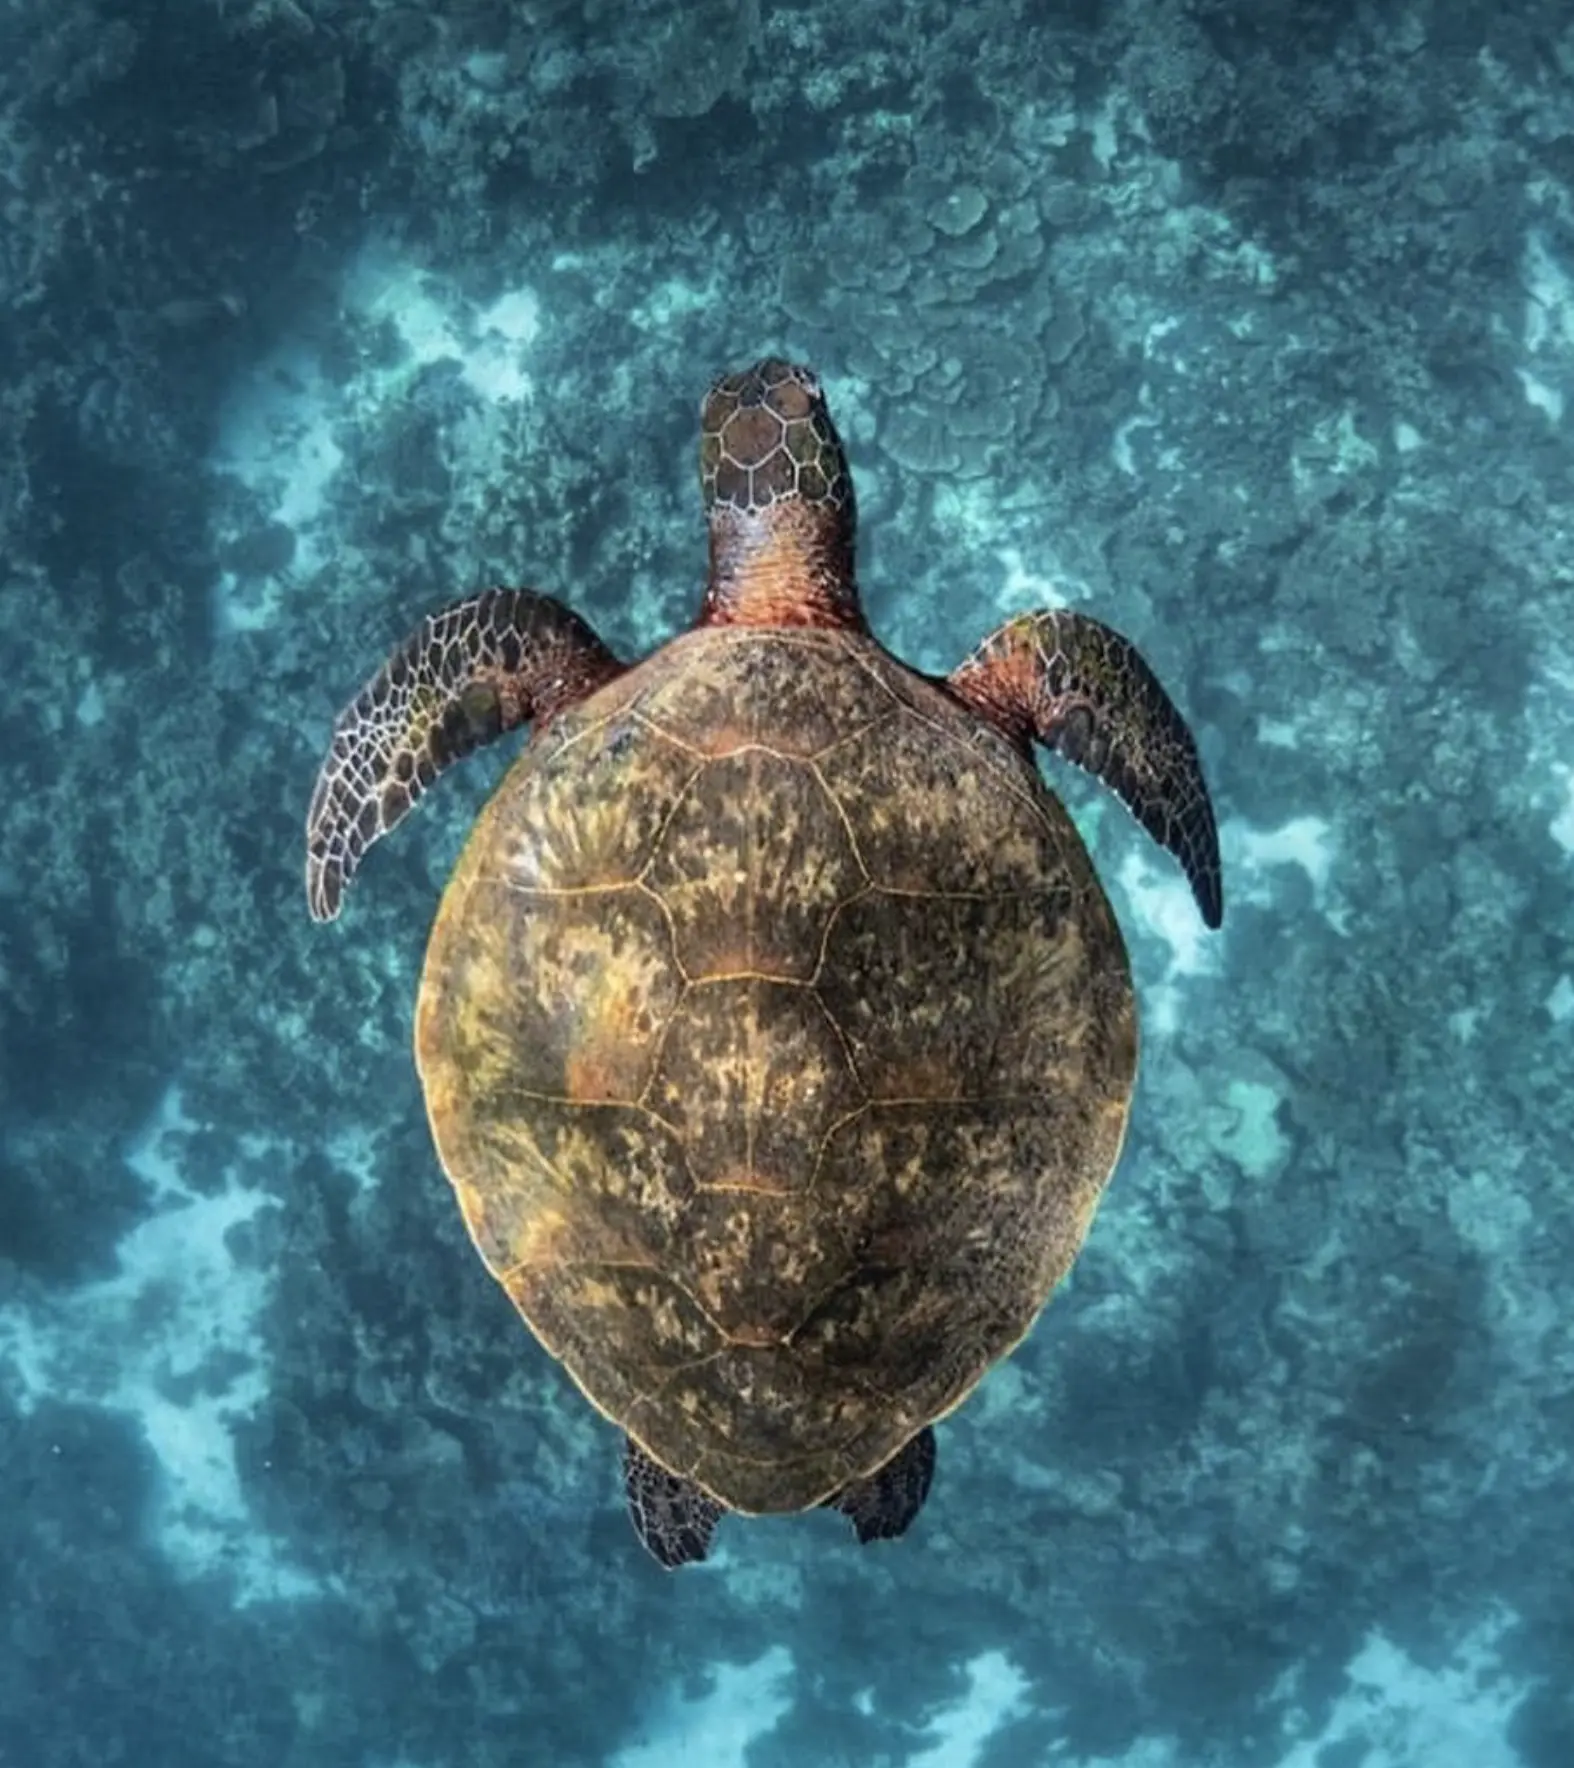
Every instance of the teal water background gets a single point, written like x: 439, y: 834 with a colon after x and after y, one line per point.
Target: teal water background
x: 1250, y: 331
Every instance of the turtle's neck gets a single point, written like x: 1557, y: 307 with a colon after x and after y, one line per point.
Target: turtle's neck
x: 791, y: 565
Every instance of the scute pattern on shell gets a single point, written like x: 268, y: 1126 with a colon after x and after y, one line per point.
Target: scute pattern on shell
x: 778, y: 1040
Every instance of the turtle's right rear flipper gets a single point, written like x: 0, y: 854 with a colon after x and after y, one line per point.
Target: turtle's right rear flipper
x: 884, y: 1503
x: 464, y: 676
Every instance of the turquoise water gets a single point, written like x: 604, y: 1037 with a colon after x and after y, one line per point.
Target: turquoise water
x: 1251, y: 336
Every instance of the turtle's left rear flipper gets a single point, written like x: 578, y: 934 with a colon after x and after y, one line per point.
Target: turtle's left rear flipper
x: 673, y: 1518
x: 464, y: 676
x: 883, y: 1504
x: 1076, y: 686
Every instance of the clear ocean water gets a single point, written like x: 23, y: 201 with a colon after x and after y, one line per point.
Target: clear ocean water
x: 1246, y: 329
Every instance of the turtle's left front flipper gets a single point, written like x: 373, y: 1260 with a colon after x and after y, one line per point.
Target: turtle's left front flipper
x: 481, y: 667
x: 1076, y: 686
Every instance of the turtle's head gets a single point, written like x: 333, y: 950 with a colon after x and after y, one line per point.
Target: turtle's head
x: 779, y: 501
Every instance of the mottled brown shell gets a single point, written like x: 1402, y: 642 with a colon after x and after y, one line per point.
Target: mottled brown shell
x: 778, y: 1040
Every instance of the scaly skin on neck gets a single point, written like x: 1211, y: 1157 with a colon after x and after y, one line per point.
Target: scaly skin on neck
x: 790, y: 566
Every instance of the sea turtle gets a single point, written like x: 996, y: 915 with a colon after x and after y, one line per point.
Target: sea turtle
x: 776, y: 1034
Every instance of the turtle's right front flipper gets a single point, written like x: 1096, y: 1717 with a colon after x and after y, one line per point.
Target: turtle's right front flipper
x: 484, y: 666
x: 1059, y: 678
